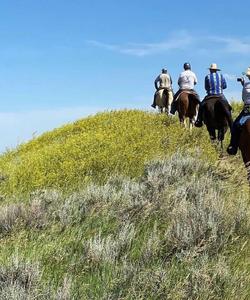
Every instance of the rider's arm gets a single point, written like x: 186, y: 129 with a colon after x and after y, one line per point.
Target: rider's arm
x: 156, y: 82
x: 195, y: 79
x: 242, y: 81
x: 207, y: 87
x: 224, y: 83
x: 179, y: 81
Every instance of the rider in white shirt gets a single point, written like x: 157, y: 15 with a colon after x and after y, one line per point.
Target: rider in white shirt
x: 236, y: 129
x: 187, y: 80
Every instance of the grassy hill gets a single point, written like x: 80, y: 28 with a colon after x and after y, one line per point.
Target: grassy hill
x: 123, y: 205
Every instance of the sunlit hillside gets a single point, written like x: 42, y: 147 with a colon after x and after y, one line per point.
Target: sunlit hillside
x: 124, y: 205
x: 92, y: 149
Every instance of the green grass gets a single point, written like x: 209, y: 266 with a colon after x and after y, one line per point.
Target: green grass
x: 123, y: 205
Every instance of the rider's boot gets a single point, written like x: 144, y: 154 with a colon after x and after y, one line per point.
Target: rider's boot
x: 154, y: 102
x: 198, y: 122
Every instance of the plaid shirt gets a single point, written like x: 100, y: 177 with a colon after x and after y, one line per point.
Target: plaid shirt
x: 215, y: 83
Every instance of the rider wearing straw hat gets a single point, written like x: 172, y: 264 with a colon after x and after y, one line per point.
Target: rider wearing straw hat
x: 215, y: 83
x: 236, y: 129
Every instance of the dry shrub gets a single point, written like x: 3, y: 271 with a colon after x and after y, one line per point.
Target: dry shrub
x: 110, y: 248
x: 9, y: 215
x: 19, y: 280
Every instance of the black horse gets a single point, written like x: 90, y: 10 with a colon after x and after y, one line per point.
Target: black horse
x: 216, y: 118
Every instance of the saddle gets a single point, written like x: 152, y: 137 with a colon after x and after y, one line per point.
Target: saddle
x: 246, y: 116
x: 244, y: 119
x: 213, y: 97
x: 218, y: 97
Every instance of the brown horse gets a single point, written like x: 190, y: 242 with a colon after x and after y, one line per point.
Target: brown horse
x: 187, y: 106
x: 245, y: 147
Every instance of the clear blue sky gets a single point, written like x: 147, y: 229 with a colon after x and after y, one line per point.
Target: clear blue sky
x: 61, y: 60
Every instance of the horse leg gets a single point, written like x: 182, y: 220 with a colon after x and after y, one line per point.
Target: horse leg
x: 212, y: 134
x: 221, y: 135
x: 185, y: 123
x: 168, y: 109
x: 191, y: 123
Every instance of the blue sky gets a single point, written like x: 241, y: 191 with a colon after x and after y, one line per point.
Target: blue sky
x: 62, y: 60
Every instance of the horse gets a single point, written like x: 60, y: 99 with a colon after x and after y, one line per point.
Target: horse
x: 187, y: 106
x: 244, y: 145
x: 215, y: 119
x: 163, y: 100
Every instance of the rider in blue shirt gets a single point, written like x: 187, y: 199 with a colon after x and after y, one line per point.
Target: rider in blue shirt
x: 215, y: 83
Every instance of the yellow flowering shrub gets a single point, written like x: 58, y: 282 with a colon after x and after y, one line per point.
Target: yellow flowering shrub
x: 93, y: 148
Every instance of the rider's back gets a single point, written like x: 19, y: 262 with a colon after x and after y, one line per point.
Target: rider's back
x: 164, y: 81
x: 187, y: 80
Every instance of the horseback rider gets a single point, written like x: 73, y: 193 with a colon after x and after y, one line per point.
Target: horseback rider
x: 163, y: 82
x: 215, y: 83
x: 187, y: 80
x: 236, y: 129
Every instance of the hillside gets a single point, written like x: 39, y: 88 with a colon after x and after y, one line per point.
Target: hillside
x: 123, y: 205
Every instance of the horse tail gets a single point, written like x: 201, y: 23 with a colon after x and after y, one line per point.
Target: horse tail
x: 192, y: 105
x: 183, y: 104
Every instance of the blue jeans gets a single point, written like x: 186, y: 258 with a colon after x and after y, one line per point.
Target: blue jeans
x: 236, y: 129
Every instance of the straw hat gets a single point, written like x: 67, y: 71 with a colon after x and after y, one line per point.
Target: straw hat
x: 247, y: 72
x: 214, y: 67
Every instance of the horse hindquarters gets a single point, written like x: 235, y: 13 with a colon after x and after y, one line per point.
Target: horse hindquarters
x: 244, y: 146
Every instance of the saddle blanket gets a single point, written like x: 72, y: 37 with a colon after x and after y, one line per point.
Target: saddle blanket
x: 244, y: 119
x: 191, y: 92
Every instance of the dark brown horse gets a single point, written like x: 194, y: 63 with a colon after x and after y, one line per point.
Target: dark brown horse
x: 245, y: 147
x: 187, y: 106
x: 215, y: 118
